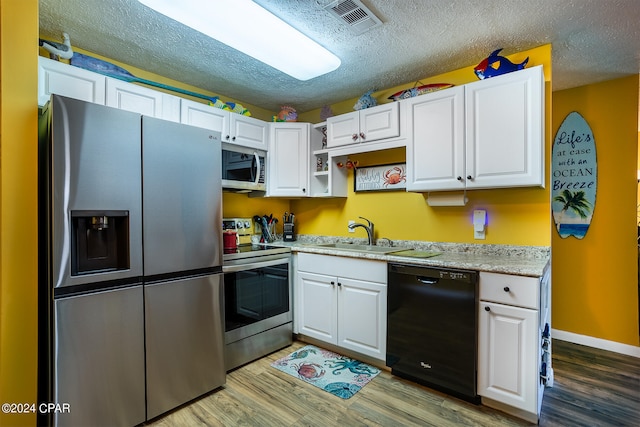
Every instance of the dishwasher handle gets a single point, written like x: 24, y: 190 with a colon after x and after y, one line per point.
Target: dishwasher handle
x: 427, y: 280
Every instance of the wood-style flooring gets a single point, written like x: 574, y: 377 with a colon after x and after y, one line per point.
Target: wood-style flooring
x: 592, y: 388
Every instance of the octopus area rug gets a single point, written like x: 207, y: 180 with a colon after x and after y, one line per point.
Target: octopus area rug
x: 336, y: 374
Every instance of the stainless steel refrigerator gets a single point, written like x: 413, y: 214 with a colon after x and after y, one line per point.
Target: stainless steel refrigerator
x: 131, y: 294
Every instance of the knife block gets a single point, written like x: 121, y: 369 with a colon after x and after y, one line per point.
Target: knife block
x: 289, y: 232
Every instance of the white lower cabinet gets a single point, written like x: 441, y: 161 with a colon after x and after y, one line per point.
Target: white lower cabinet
x: 510, y: 337
x: 343, y: 301
x: 507, y: 355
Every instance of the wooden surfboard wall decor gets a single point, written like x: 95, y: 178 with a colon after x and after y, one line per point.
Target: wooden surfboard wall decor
x: 574, y: 177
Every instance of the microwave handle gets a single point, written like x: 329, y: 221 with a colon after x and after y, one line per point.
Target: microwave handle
x: 258, y: 167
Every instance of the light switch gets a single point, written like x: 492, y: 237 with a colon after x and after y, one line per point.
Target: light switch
x: 479, y: 223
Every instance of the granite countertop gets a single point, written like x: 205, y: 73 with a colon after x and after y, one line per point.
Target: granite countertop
x: 529, y: 261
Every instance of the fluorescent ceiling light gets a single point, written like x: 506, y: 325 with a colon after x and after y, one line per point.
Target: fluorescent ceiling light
x: 247, y: 27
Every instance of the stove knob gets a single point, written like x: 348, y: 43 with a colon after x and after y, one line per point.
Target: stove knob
x: 247, y: 225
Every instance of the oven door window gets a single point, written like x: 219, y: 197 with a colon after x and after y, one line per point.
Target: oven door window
x: 254, y: 295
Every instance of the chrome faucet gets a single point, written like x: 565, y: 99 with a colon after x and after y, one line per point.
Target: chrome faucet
x: 369, y: 228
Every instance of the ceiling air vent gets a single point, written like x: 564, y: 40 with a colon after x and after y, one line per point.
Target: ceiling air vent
x: 354, y: 14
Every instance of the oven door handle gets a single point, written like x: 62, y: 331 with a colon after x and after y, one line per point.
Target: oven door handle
x: 253, y: 265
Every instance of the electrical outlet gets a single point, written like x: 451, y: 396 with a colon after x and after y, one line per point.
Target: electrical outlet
x: 351, y: 230
x: 479, y: 223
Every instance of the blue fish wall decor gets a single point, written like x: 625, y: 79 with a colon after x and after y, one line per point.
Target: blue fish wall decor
x: 495, y: 65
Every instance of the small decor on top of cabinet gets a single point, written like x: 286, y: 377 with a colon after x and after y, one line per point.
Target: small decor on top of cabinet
x: 111, y: 70
x: 58, y: 50
x: 365, y: 101
x: 229, y: 106
x: 286, y: 114
x: 234, y: 107
x: 419, y: 90
x: 325, y: 112
x: 495, y: 65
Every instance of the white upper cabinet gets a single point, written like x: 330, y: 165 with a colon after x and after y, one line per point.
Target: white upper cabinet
x: 371, y: 124
x: 142, y: 100
x: 73, y: 82
x: 505, y: 130
x: 234, y: 128
x: 66, y: 80
x: 486, y: 134
x: 204, y: 116
x: 288, y: 170
x: 248, y: 132
x: 435, y: 154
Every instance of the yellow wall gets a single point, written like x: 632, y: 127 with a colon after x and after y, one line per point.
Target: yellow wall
x: 18, y: 216
x: 237, y: 205
x: 515, y: 216
x: 594, y: 280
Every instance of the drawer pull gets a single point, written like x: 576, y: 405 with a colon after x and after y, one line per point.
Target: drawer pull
x: 487, y: 308
x: 506, y: 289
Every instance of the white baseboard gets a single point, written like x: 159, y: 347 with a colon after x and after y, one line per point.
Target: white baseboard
x: 616, y: 347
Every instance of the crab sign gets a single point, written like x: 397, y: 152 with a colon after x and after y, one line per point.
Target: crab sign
x: 394, y: 175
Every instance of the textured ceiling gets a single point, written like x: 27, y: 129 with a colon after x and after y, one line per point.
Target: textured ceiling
x: 592, y: 41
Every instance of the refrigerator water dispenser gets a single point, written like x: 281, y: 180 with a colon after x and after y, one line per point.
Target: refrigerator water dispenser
x: 99, y: 241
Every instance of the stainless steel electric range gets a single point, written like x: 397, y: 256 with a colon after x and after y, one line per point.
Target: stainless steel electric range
x: 257, y: 301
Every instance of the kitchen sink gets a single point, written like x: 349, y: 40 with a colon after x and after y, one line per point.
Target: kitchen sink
x: 362, y: 248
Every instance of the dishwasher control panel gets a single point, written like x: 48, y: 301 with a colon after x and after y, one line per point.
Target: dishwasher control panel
x: 435, y: 273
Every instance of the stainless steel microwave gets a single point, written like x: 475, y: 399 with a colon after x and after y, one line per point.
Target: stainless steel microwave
x: 243, y: 169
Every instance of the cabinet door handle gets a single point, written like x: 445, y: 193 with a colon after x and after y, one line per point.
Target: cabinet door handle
x: 469, y: 177
x: 362, y: 135
x: 339, y: 284
x: 459, y: 178
x: 506, y: 289
x: 227, y: 137
x: 354, y: 136
x: 487, y: 308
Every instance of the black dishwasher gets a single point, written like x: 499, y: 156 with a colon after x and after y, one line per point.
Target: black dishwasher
x: 432, y: 327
